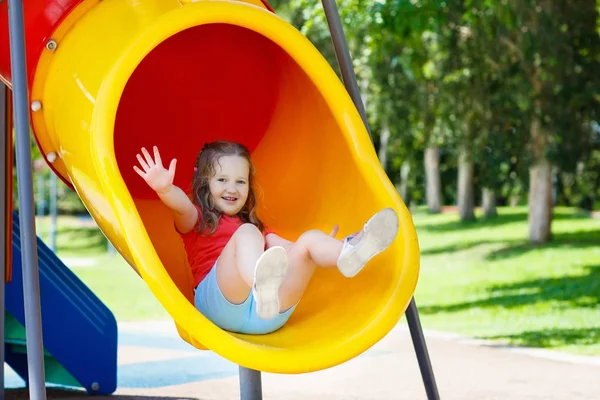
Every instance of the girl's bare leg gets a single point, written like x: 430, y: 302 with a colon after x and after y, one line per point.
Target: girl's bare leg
x: 315, y: 248
x: 244, y: 266
x: 278, y: 287
x: 235, y: 268
x: 312, y: 249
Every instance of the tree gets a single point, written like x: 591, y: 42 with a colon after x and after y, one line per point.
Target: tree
x: 406, y: 57
x: 552, y: 50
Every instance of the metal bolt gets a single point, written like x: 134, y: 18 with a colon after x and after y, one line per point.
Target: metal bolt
x: 36, y: 105
x: 51, y: 45
x: 95, y: 386
x: 51, y: 157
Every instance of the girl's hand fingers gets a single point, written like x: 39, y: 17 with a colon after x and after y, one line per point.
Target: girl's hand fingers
x: 172, y: 166
x: 142, y: 162
x: 157, y: 158
x: 139, y: 172
x: 334, y: 231
x: 148, y: 157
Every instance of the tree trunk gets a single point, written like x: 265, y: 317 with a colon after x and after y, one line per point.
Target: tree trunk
x: 540, y: 187
x: 466, y: 195
x: 540, y: 202
x: 433, y: 184
x: 383, y: 146
x: 364, y: 89
x: 514, y: 201
x: 489, y: 203
x: 404, y: 171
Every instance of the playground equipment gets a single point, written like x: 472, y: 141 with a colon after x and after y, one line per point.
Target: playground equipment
x: 106, y: 78
x: 80, y: 332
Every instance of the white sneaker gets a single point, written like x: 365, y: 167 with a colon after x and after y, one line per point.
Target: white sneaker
x: 269, y: 274
x: 378, y: 233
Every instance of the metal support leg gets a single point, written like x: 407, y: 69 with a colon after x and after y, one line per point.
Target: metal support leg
x: 250, y: 384
x: 3, y: 226
x: 342, y: 54
x: 349, y: 77
x: 416, y: 333
x: 31, y: 283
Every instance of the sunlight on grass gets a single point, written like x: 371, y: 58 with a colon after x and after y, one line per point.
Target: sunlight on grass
x: 484, y: 279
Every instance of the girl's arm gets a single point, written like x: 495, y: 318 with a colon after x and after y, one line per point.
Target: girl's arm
x: 161, y: 181
x: 185, y: 214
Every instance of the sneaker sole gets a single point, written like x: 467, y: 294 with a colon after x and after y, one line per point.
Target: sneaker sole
x: 270, y: 272
x: 380, y: 232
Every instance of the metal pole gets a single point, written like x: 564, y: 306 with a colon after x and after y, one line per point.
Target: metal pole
x: 53, y: 209
x: 416, y: 333
x: 250, y: 384
x: 41, y: 203
x: 4, y: 131
x: 345, y: 61
x: 31, y: 283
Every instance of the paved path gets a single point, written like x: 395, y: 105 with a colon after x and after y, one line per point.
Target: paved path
x: 156, y: 364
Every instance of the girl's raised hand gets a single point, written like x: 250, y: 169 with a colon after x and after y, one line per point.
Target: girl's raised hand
x: 155, y: 175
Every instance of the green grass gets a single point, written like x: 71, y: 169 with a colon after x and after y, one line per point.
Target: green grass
x: 484, y: 280
x: 480, y: 279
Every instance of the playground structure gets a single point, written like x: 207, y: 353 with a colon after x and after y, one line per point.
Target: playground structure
x: 99, y: 80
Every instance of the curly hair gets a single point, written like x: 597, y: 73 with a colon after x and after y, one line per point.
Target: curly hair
x: 206, y: 162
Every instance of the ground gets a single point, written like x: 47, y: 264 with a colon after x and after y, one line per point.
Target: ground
x: 156, y: 364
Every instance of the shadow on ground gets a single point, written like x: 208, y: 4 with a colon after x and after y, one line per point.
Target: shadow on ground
x: 574, y: 240
x: 53, y: 393
x: 553, y: 337
x: 501, y: 219
x: 514, y: 248
x: 569, y: 291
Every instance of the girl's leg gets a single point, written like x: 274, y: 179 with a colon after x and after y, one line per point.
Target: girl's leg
x: 315, y: 248
x: 235, y: 268
x: 244, y: 266
x: 312, y: 249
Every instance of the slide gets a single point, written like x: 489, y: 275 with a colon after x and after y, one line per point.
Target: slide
x: 108, y: 77
x: 79, y: 331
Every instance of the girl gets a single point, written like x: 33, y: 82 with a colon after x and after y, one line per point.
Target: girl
x: 247, y: 278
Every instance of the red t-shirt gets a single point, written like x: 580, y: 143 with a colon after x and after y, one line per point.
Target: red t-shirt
x: 203, y: 251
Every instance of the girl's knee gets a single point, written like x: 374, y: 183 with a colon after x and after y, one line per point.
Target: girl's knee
x: 312, y: 234
x: 248, y: 230
x: 309, y: 236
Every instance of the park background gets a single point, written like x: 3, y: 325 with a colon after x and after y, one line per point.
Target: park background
x: 485, y: 117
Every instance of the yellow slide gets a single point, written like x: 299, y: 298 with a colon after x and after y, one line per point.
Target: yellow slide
x: 123, y: 74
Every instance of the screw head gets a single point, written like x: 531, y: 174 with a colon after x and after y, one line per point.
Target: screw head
x: 95, y: 386
x: 51, y: 45
x: 36, y: 105
x: 51, y: 157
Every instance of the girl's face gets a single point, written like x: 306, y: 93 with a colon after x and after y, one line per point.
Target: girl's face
x: 230, y: 185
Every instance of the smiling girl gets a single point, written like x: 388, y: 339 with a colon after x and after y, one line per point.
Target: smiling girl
x: 247, y: 278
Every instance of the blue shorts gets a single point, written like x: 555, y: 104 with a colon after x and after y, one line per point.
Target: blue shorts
x: 239, y: 318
